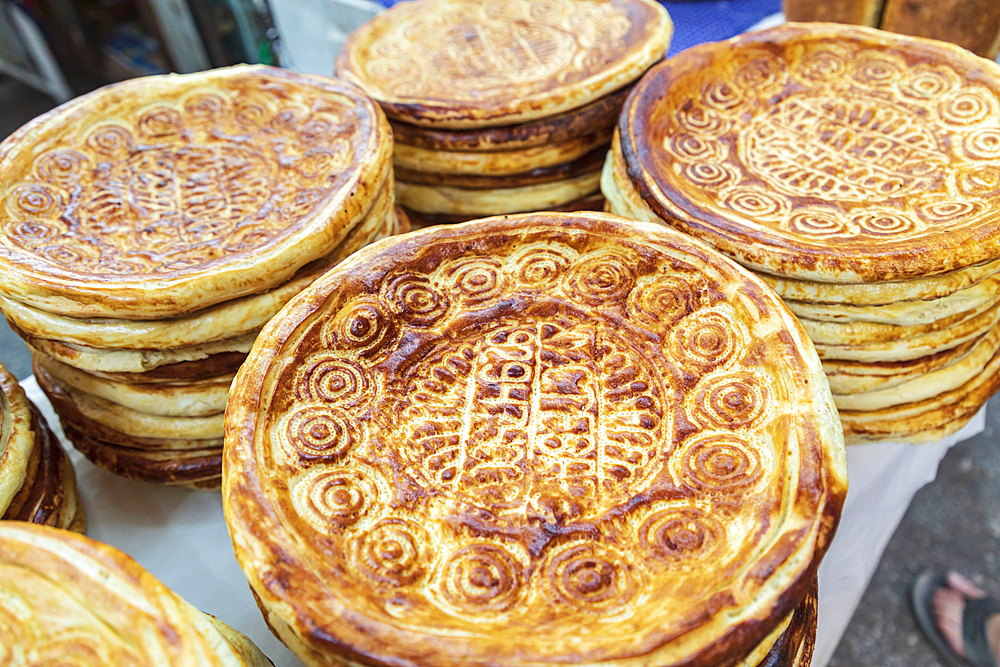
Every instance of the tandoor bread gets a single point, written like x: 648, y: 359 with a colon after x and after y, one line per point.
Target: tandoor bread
x: 824, y: 152
x: 67, y: 599
x: 532, y: 439
x: 159, y: 196
x: 463, y: 64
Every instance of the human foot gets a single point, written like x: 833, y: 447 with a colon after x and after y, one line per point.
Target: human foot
x: 958, y: 619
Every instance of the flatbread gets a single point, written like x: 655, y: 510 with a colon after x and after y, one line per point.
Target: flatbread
x: 824, y: 152
x: 521, y: 427
x: 159, y: 196
x: 68, y: 599
x: 476, y: 63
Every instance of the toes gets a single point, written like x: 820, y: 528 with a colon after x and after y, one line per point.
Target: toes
x: 948, y: 608
x: 964, y: 586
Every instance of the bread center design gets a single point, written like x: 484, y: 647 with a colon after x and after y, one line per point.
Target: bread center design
x: 511, y: 53
x: 863, y: 149
x: 556, y: 420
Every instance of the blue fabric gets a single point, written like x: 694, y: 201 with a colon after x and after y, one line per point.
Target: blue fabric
x: 697, y: 21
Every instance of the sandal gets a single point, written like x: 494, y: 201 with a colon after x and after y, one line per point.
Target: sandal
x: 975, y: 614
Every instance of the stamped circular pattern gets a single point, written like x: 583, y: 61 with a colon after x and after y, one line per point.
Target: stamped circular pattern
x: 476, y: 63
x: 192, y: 172
x: 551, y: 416
x: 738, y: 146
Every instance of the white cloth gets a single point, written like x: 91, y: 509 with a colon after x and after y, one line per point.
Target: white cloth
x: 181, y: 538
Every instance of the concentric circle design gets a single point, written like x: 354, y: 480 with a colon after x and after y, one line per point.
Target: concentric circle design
x: 663, y: 300
x: 320, y: 433
x: 761, y: 72
x: 732, y: 401
x: 204, y: 107
x: 884, y: 223
x: 816, y: 223
x: 32, y: 232
x: 32, y: 199
x: 61, y: 166
x: 699, y: 120
x: 705, y: 341
x: 482, y: 578
x: 392, y: 552
x: 708, y: 175
x: 332, y: 498
x: 331, y: 379
x: 876, y: 69
x: 681, y: 535
x: 692, y: 146
x: 925, y: 82
x: 983, y: 144
x: 416, y: 300
x: 364, y: 326
x: 980, y: 181
x: 949, y: 209
x: 823, y: 64
x: 161, y: 121
x: 475, y: 281
x: 541, y: 268
x: 110, y: 140
x: 755, y: 203
x: 590, y: 577
x: 721, y: 464
x: 968, y: 107
x: 722, y: 96
x: 600, y: 278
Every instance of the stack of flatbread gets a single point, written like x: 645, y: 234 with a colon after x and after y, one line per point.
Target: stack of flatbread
x: 859, y: 173
x: 502, y: 107
x: 551, y: 438
x: 67, y: 599
x: 37, y: 480
x: 150, y: 229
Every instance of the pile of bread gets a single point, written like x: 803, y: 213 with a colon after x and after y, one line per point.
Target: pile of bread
x: 554, y: 437
x: 37, y: 481
x: 867, y: 195
x: 154, y: 226
x: 502, y: 107
x: 537, y: 438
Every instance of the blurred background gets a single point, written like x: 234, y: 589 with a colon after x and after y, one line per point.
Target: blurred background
x: 53, y: 50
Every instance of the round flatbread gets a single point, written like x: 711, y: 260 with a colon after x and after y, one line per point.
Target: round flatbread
x: 824, y: 152
x: 474, y: 444
x: 479, y: 63
x: 160, y: 196
x: 67, y: 599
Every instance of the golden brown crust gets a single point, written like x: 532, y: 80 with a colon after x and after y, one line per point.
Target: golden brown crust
x: 17, y: 439
x: 183, y: 466
x: 234, y: 317
x: 463, y: 64
x: 49, y: 495
x: 467, y: 438
x: 594, y: 202
x: 590, y: 162
x: 598, y: 114
x: 498, y: 163
x: 159, y: 196
x: 67, y: 599
x: 876, y: 162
